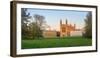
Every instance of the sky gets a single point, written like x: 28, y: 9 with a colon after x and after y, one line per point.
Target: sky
x: 53, y: 17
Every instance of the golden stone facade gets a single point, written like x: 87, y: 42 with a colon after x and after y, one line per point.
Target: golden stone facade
x: 65, y: 30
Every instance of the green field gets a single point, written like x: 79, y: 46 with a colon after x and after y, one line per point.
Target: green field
x: 56, y: 42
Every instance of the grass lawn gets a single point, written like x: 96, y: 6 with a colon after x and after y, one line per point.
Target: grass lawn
x: 56, y: 42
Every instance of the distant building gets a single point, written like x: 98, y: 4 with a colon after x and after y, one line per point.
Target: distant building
x: 68, y: 29
x: 65, y: 30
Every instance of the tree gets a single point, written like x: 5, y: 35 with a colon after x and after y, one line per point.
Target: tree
x: 88, y: 25
x: 36, y: 27
x: 24, y: 16
x: 35, y: 31
x: 40, y: 21
x: 31, y: 29
x: 24, y: 19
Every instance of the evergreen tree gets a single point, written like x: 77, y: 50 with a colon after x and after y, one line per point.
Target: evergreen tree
x: 24, y: 20
x: 88, y: 25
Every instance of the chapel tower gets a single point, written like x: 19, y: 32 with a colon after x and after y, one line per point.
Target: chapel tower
x: 66, y: 28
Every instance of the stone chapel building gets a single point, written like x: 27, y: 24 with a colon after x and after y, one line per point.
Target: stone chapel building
x: 65, y: 30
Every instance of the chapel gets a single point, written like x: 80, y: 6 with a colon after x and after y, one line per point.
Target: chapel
x: 66, y: 28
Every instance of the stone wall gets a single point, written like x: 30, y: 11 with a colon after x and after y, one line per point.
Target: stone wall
x: 76, y: 33
x: 49, y: 34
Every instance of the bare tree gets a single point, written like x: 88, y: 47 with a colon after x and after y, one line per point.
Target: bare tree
x: 40, y: 21
x: 37, y: 26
